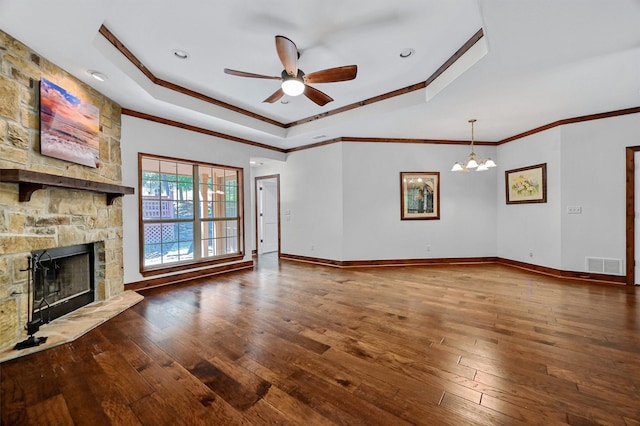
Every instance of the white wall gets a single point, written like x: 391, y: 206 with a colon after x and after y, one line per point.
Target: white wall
x: 153, y: 138
x: 311, y: 192
x: 585, y: 168
x: 343, y: 199
x: 531, y: 228
x: 372, y: 226
x: 593, y: 177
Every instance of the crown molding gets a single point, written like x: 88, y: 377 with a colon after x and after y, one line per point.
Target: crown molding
x: 599, y: 116
x: 352, y: 139
x: 111, y: 38
x: 196, y: 129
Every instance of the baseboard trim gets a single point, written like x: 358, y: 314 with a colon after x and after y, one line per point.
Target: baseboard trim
x: 188, y: 276
x: 556, y: 273
x: 238, y: 266
x: 389, y: 262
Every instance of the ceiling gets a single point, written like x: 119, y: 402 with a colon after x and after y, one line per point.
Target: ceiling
x: 538, y: 61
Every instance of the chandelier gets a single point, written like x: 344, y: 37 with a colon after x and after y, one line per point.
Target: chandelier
x: 473, y: 160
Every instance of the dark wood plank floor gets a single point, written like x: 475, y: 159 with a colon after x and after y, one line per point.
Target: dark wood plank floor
x: 307, y: 345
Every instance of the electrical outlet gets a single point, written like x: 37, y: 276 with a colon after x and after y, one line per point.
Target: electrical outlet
x: 530, y: 252
x: 428, y: 248
x: 574, y: 210
x: 313, y: 247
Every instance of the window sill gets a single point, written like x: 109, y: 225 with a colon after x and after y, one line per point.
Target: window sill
x: 168, y: 269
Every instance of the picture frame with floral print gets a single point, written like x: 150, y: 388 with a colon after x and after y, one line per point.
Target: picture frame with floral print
x: 526, y: 184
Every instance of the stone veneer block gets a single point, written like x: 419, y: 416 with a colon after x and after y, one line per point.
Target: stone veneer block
x: 16, y: 223
x: 11, y: 156
x: 9, y: 105
x: 18, y: 136
x: 8, y: 317
x: 3, y: 129
x: 23, y: 243
x: 30, y: 120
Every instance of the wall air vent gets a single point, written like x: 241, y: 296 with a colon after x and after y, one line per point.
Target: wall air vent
x: 601, y: 265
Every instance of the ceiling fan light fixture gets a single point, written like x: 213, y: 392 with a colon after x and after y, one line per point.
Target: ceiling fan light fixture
x: 294, y: 81
x: 293, y: 86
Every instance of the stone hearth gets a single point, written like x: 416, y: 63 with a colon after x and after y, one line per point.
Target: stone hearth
x: 77, y: 323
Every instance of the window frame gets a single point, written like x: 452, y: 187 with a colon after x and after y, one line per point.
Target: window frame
x: 196, y: 220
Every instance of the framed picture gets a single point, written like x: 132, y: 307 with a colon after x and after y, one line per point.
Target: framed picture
x: 69, y: 126
x: 419, y: 195
x: 527, y: 184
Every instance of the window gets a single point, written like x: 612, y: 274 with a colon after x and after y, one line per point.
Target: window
x: 190, y: 213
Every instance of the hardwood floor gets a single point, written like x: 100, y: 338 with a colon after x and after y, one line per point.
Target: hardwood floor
x: 303, y: 344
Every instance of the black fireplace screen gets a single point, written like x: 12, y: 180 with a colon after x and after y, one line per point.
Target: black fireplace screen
x: 62, y: 280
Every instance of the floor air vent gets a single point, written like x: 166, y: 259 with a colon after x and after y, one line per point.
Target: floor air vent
x: 604, y: 266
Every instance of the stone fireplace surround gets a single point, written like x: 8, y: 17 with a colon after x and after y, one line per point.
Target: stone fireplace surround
x: 57, y: 218
x: 53, y: 217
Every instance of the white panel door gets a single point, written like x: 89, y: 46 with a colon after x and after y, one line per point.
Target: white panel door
x: 267, y: 215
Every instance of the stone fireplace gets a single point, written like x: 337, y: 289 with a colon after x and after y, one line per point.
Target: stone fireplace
x: 54, y: 216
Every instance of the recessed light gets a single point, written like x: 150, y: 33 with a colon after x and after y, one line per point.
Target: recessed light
x: 284, y: 101
x: 319, y: 137
x: 180, y: 54
x: 405, y: 53
x: 97, y: 75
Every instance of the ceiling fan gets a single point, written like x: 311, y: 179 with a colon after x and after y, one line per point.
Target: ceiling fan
x: 294, y: 81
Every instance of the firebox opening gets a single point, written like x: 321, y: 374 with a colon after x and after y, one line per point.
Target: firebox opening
x: 63, y: 280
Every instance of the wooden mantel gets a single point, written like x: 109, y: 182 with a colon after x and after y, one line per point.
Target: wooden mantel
x: 30, y: 181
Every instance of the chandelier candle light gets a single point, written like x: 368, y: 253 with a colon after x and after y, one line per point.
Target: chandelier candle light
x: 473, y: 161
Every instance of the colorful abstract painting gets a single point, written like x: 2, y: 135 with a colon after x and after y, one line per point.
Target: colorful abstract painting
x: 69, y: 126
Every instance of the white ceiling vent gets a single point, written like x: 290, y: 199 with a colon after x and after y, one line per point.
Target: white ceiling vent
x: 604, y: 266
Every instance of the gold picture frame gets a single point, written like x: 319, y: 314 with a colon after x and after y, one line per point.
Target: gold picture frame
x: 526, y: 184
x: 419, y: 195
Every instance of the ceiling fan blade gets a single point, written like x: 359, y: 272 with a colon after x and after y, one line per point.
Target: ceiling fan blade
x: 249, y: 74
x: 275, y: 96
x: 332, y: 75
x: 288, y: 53
x: 317, y: 96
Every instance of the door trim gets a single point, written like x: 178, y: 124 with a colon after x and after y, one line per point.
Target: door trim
x: 630, y: 214
x: 257, y: 194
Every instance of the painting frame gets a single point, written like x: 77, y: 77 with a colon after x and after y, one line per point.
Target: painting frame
x: 419, y: 195
x: 526, y: 185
